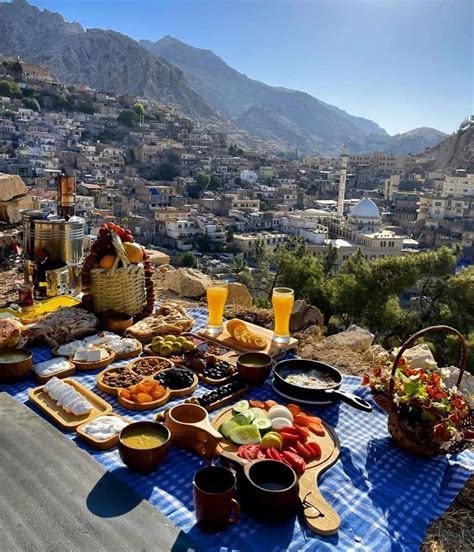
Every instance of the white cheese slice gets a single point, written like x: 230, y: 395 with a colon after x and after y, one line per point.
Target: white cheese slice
x: 104, y: 427
x: 81, y: 355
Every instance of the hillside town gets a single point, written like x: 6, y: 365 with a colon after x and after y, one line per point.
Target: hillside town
x: 182, y: 186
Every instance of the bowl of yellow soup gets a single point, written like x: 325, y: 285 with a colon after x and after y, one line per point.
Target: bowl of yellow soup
x: 143, y: 445
x: 14, y: 364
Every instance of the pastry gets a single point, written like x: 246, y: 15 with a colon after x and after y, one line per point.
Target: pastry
x: 170, y: 318
x: 10, y: 333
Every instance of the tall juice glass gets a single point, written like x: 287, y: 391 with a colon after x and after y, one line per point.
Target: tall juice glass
x: 216, y: 297
x: 282, y: 301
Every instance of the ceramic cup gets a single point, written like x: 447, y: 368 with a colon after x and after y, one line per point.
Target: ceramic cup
x: 190, y: 429
x: 271, y: 490
x: 214, y: 503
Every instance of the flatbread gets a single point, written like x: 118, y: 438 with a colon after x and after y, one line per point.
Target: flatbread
x: 170, y: 318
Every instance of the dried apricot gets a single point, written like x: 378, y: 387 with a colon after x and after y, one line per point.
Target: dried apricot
x: 144, y: 398
x: 141, y: 388
x: 126, y: 394
x: 158, y: 393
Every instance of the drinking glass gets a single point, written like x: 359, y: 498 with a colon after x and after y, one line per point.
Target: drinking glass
x: 282, y: 301
x: 216, y: 297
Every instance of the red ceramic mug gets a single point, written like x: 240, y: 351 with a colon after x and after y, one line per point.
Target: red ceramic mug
x: 214, y: 503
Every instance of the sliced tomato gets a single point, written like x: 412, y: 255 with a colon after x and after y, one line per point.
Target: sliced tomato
x: 268, y: 454
x: 289, y: 437
x: 303, y: 431
x: 290, y: 429
x: 249, y: 452
x: 274, y: 454
x: 315, y: 449
x: 260, y: 455
x: 303, y: 451
x: 297, y: 463
x: 292, y: 449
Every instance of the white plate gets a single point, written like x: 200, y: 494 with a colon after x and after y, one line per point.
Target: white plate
x: 315, y: 403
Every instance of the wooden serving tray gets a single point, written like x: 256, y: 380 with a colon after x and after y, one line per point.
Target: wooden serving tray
x: 320, y: 517
x: 67, y: 420
x: 93, y: 365
x: 61, y: 375
x: 100, y: 444
x: 220, y: 403
x: 273, y: 349
x: 125, y: 356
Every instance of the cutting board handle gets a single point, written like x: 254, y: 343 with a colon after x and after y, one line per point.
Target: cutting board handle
x: 319, y: 516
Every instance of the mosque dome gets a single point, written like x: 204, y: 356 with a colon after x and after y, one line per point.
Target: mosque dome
x: 365, y: 209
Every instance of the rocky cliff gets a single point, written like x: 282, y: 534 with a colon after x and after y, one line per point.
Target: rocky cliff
x: 455, y: 152
x: 106, y: 60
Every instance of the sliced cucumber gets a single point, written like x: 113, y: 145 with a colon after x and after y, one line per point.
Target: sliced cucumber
x: 245, y: 435
x: 240, y: 406
x: 264, y: 425
x: 244, y: 418
x: 227, y: 427
x: 259, y: 412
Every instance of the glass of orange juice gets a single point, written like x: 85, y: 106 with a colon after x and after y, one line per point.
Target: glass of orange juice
x: 282, y: 301
x: 216, y: 297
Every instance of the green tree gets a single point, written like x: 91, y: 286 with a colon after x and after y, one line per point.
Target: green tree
x: 31, y: 103
x: 10, y: 89
x: 140, y: 111
x: 164, y: 171
x: 206, y: 244
x: 129, y: 118
x: 196, y: 190
x: 329, y: 260
x: 187, y: 259
x: 242, y: 272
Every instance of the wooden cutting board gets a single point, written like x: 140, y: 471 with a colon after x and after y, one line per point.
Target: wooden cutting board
x: 67, y: 420
x: 320, y: 517
x: 273, y: 349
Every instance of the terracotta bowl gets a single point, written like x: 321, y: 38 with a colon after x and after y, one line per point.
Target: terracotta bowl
x: 116, y: 322
x: 254, y: 368
x: 144, y: 460
x: 14, y: 371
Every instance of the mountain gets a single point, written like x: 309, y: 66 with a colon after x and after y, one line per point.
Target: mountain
x: 414, y: 141
x: 456, y: 151
x: 240, y: 98
x: 106, y: 60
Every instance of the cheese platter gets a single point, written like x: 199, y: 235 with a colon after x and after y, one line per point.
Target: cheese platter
x: 68, y: 420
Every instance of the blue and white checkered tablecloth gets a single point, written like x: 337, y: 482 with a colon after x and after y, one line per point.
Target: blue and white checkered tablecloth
x: 385, y: 497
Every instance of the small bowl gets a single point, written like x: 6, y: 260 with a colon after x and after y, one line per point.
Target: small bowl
x: 144, y: 460
x: 14, y: 371
x: 117, y: 322
x: 254, y: 368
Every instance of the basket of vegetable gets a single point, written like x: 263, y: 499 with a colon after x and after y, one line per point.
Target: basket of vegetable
x: 425, y: 417
x: 117, y: 274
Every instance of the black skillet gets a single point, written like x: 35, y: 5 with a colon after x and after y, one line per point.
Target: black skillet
x: 332, y: 393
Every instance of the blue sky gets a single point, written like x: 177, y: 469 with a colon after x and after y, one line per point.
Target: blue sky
x: 402, y: 63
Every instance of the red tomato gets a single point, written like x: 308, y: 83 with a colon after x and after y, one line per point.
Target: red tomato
x: 315, y: 449
x: 274, y: 454
x: 289, y: 437
x: 290, y: 429
x: 297, y: 463
x: 303, y: 431
x: 303, y: 451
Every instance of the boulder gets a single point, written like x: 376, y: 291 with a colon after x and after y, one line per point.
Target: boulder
x: 375, y: 353
x: 354, y: 338
x: 10, y: 210
x: 11, y: 187
x: 450, y: 376
x: 187, y: 282
x: 419, y: 356
x: 158, y: 258
x: 305, y: 315
x: 238, y: 294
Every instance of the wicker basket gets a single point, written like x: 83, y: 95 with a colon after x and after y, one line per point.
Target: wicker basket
x: 414, y: 438
x: 128, y: 289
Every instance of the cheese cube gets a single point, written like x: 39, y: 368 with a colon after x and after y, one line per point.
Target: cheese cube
x: 81, y: 355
